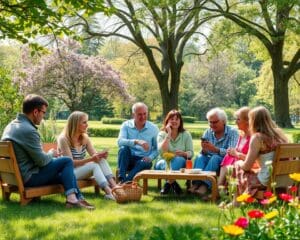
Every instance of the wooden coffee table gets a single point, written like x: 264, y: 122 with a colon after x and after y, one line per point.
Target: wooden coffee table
x: 174, y: 175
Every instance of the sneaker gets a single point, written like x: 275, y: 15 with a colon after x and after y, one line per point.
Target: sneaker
x: 109, y: 197
x: 176, y: 188
x: 166, y: 189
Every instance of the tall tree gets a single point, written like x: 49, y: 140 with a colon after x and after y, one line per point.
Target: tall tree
x: 271, y: 22
x: 171, y: 23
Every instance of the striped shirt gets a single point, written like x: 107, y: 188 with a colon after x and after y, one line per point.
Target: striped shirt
x: 78, y: 155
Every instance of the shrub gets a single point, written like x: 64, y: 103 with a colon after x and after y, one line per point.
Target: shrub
x: 196, y: 135
x: 296, y: 137
x: 113, y: 120
x: 48, y: 131
x: 188, y: 119
x: 103, y: 132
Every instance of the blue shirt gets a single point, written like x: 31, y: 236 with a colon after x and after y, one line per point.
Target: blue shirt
x: 229, y: 139
x: 129, y: 133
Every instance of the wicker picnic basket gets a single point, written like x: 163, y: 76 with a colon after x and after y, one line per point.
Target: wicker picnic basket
x: 127, y: 192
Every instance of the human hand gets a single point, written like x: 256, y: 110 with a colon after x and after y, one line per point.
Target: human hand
x: 143, y: 144
x: 169, y: 129
x: 55, y: 153
x: 180, y: 153
x: 103, y: 154
x: 232, y: 152
x: 146, y: 159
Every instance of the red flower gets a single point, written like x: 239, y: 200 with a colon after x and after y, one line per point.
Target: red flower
x: 242, y: 222
x: 255, y: 214
x: 250, y: 200
x: 293, y: 188
x: 268, y: 194
x: 286, y: 197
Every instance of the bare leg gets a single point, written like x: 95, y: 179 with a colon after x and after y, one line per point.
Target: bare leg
x: 72, y: 198
x: 112, y: 182
x: 222, y: 176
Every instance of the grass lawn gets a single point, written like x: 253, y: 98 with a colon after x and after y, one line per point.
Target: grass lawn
x: 177, y: 217
x: 155, y: 217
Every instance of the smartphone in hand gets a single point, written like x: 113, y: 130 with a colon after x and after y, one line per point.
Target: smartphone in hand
x: 204, y: 139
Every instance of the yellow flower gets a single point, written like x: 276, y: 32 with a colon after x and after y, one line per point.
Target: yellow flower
x: 271, y: 214
x: 233, y: 230
x: 243, y: 197
x: 168, y: 156
x: 272, y: 199
x: 295, y: 177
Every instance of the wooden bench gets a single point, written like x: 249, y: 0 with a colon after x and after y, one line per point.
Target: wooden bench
x: 286, y: 161
x: 11, y: 180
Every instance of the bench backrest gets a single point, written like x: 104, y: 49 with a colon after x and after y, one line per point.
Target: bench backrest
x: 9, y: 170
x: 286, y: 161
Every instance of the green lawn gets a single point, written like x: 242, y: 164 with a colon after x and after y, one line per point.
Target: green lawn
x: 155, y: 217
x: 48, y: 218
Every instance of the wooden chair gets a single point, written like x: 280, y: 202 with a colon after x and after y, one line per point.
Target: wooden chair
x: 286, y: 161
x: 11, y: 179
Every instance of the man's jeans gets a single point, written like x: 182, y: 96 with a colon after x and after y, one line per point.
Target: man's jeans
x: 208, y: 163
x: 58, y: 171
x: 133, y: 164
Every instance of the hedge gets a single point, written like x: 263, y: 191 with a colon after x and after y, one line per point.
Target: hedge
x: 188, y: 119
x: 113, y: 120
x: 196, y: 135
x: 296, y: 137
x: 103, y: 132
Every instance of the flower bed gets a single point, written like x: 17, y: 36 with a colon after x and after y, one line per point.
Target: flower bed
x: 274, y: 217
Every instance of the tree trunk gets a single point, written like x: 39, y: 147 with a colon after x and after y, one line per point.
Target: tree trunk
x: 281, y: 99
x: 169, y: 98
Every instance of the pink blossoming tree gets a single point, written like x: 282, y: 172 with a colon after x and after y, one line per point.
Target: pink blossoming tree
x: 70, y: 77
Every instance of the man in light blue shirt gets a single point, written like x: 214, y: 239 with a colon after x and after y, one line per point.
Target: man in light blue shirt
x: 137, y: 143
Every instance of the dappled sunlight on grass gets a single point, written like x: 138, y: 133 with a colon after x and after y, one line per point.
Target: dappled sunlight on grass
x: 49, y: 219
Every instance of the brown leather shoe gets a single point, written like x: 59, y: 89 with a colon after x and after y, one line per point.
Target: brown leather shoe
x: 80, y: 204
x: 86, y: 204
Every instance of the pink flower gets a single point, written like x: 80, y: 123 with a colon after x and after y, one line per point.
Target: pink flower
x: 264, y: 201
x: 242, y: 222
x: 286, y: 197
x: 255, y: 214
x: 268, y: 194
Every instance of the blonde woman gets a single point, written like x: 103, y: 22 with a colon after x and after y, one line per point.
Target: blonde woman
x: 74, y: 142
x: 265, y: 136
x: 240, y: 151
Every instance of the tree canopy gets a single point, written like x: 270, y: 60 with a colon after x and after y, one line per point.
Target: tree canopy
x: 170, y: 23
x: 271, y: 22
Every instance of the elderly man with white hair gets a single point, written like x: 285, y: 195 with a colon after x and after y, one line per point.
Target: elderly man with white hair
x: 137, y: 143
x: 214, y: 143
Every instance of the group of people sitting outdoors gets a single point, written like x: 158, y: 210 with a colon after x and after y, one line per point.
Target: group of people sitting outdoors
x: 141, y: 145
